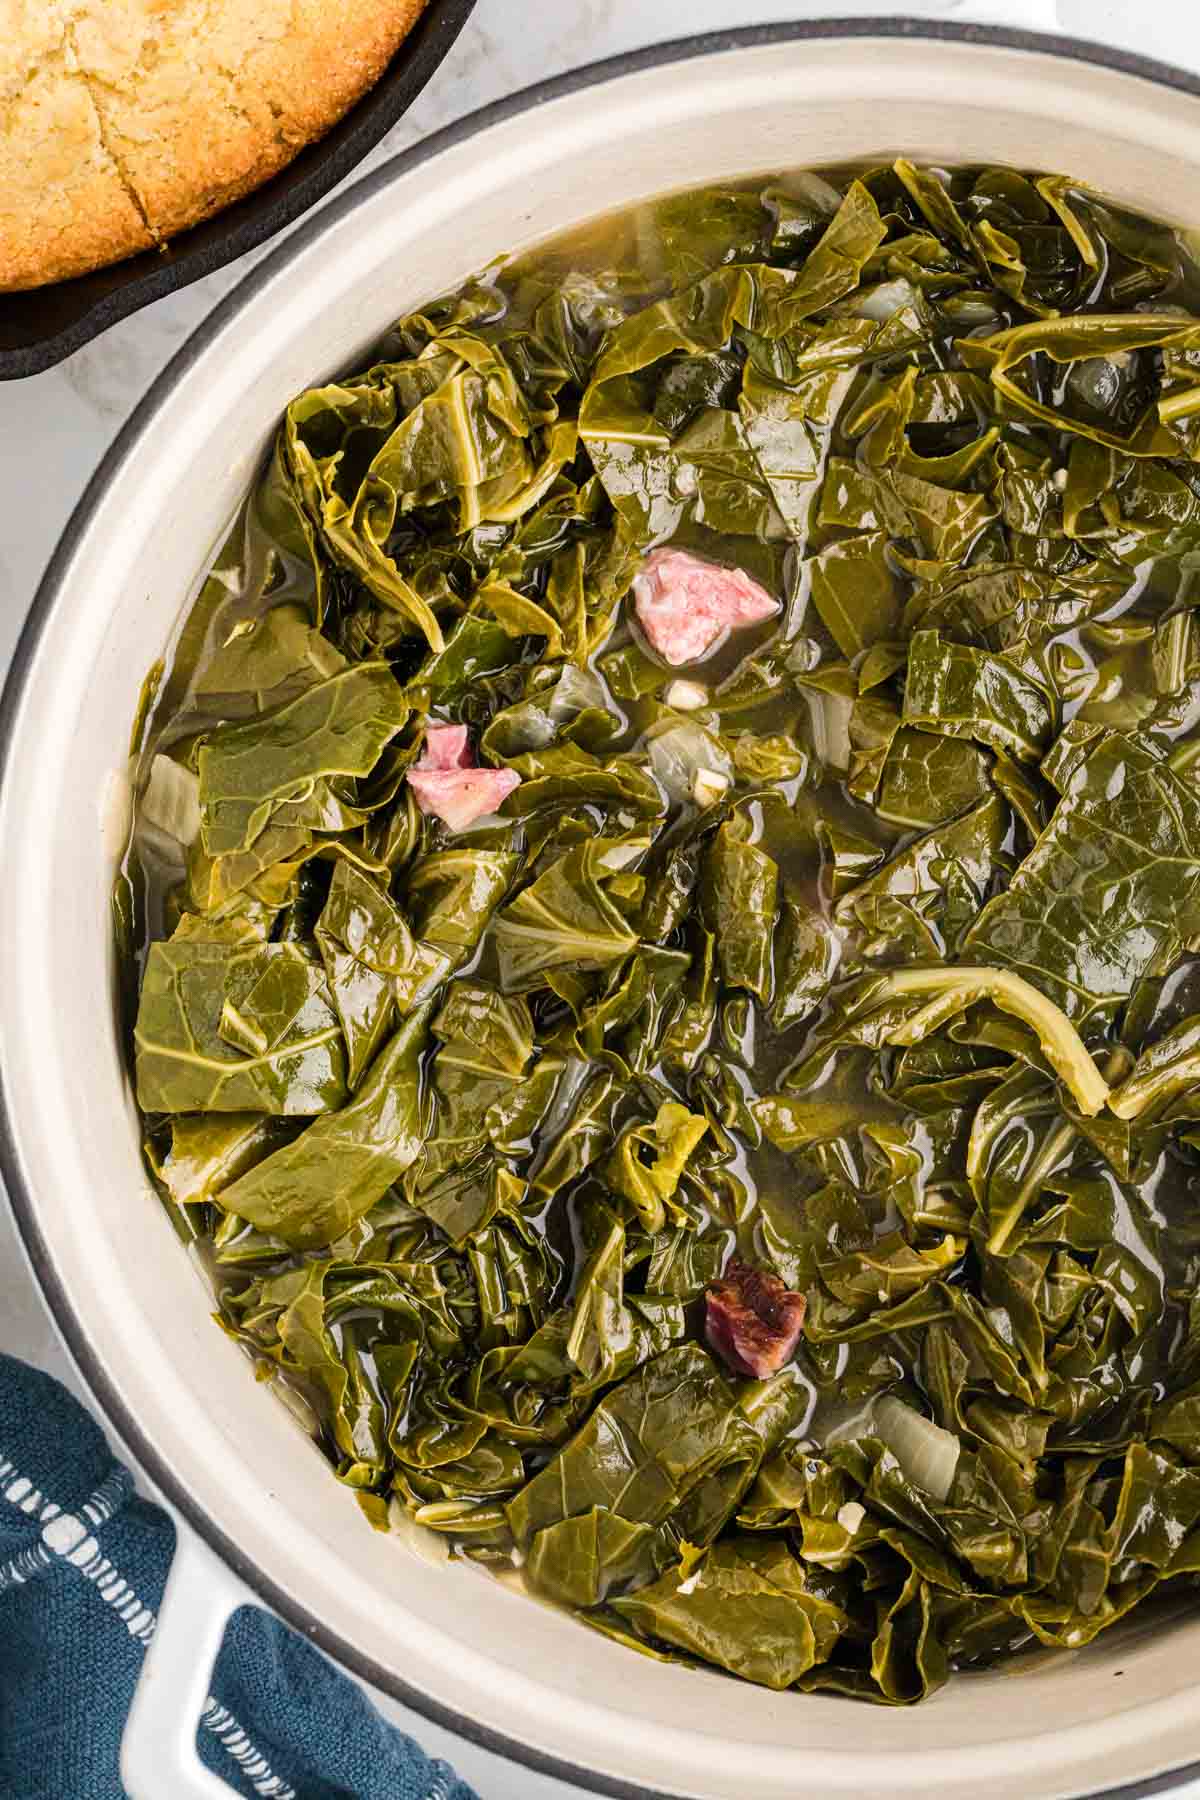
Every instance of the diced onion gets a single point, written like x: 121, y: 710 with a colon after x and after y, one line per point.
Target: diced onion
x: 881, y: 302
x: 300, y: 1410
x: 851, y: 1515
x: 575, y: 690
x: 1097, y: 382
x: 535, y: 723
x: 686, y: 696
x: 709, y: 786
x: 620, y: 856
x: 171, y: 802
x: 844, y: 1422
x: 528, y: 726
x: 418, y: 1540
x: 928, y: 1456
x: 831, y: 728
x: 678, y: 755
x: 818, y: 192
x: 116, y: 809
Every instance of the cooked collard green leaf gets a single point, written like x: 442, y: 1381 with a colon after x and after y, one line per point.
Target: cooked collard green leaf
x: 818, y: 557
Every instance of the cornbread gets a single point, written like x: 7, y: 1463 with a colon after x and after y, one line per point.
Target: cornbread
x: 124, y: 121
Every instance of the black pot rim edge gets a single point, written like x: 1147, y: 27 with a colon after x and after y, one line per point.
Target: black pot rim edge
x: 140, y: 423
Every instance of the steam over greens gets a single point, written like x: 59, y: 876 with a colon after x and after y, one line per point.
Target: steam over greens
x: 856, y: 959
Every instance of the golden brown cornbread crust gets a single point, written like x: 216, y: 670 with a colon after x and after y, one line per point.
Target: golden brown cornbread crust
x: 123, y: 121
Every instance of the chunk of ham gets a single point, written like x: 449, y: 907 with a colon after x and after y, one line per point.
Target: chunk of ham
x: 686, y: 606
x: 446, y: 747
x: 447, y: 783
x: 752, y: 1320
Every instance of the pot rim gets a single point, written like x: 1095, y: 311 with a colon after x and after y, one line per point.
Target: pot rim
x: 141, y: 422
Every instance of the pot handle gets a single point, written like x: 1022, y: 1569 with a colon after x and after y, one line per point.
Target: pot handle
x: 158, y: 1750
x: 1019, y: 15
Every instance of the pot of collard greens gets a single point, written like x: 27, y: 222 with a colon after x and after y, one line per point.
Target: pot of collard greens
x: 640, y: 957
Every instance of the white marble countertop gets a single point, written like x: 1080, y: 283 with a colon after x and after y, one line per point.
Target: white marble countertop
x: 54, y: 427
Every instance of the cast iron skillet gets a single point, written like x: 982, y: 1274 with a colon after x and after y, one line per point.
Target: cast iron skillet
x: 42, y: 325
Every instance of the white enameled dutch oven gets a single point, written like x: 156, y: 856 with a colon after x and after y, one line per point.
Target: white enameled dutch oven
x: 257, y: 1512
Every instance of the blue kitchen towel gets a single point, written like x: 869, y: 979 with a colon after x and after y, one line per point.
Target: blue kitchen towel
x: 83, y: 1563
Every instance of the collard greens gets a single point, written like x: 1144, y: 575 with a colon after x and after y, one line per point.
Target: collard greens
x: 861, y: 953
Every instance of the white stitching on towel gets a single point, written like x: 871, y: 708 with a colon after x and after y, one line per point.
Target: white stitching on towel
x: 69, y: 1537
x: 254, y: 1766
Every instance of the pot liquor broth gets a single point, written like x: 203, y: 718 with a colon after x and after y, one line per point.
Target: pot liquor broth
x: 661, y: 922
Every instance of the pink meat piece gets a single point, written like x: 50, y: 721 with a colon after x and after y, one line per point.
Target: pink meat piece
x: 460, y: 796
x: 446, y: 747
x: 447, y: 782
x: 752, y: 1320
x: 686, y: 605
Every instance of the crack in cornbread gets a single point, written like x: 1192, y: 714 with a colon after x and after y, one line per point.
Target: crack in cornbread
x: 122, y: 122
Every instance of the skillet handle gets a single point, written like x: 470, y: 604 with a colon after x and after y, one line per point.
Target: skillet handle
x: 1019, y: 15
x: 158, y: 1750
